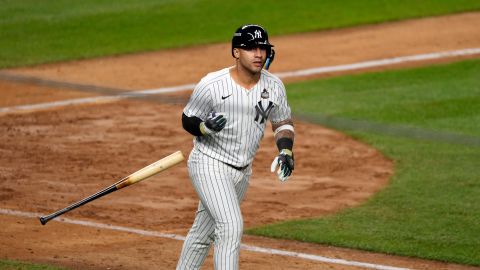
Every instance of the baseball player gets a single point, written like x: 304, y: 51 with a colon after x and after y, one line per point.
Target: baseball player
x: 227, y: 113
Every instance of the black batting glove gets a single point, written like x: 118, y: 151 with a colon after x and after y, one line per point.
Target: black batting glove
x: 213, y: 124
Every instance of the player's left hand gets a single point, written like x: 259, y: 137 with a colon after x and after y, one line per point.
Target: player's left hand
x: 285, y: 164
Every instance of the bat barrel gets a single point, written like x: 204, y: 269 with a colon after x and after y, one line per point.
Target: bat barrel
x: 45, y: 219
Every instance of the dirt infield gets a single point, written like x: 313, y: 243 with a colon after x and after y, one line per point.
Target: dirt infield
x: 52, y: 157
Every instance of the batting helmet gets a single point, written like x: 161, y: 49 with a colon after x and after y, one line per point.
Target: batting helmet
x: 251, y: 35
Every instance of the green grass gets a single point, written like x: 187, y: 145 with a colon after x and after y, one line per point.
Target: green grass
x: 430, y: 209
x: 33, y: 32
x: 13, y: 265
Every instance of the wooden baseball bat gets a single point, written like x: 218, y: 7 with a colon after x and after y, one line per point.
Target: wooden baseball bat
x: 133, y: 178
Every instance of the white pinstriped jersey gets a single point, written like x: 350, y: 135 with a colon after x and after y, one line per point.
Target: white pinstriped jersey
x: 247, y: 112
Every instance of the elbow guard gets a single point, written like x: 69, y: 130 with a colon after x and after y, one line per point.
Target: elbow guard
x: 192, y: 125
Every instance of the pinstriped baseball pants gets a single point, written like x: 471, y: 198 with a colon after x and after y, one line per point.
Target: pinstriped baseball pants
x: 220, y: 188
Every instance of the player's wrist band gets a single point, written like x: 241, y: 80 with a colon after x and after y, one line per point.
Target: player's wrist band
x: 285, y: 143
x: 284, y: 127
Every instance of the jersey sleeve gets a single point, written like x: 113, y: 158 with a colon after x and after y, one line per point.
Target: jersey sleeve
x: 200, y: 103
x: 282, y: 111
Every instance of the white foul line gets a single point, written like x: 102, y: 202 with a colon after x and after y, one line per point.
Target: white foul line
x: 289, y: 74
x: 270, y: 251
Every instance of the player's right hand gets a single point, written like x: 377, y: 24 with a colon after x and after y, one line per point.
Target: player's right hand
x: 213, y: 124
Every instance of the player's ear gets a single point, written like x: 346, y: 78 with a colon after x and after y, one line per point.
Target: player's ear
x: 236, y: 53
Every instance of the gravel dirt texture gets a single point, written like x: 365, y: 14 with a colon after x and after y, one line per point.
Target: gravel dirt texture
x: 50, y: 158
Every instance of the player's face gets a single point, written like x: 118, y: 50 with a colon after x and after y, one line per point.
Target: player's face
x: 252, y: 59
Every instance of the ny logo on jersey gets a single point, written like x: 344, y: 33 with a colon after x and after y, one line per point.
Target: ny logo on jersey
x: 263, y: 113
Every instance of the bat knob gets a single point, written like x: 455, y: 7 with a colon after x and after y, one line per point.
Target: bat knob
x: 43, y: 220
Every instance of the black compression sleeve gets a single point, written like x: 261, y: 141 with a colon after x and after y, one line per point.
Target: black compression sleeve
x: 192, y: 125
x: 285, y: 143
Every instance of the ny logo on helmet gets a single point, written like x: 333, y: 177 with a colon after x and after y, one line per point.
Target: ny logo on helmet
x: 258, y: 34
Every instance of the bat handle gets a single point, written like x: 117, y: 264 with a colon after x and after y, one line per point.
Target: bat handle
x: 110, y: 189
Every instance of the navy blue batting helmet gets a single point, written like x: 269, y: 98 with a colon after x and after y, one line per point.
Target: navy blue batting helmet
x: 250, y: 36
